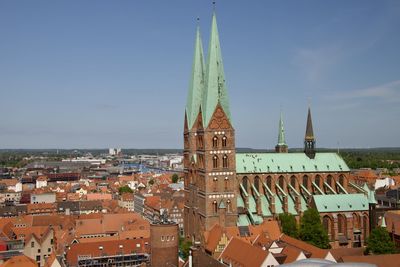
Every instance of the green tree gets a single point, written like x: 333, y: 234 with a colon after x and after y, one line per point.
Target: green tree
x: 312, y: 231
x: 125, y: 189
x: 175, y: 178
x: 289, y: 224
x: 151, y: 182
x: 379, y: 242
x: 184, y: 247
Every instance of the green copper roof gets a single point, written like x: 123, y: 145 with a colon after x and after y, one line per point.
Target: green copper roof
x: 289, y: 163
x: 239, y: 202
x: 196, y: 87
x: 215, y: 88
x: 309, y: 127
x: 252, y: 204
x: 243, y: 220
x: 383, y: 223
x: 266, y: 212
x: 341, y: 202
x: 371, y: 197
x: 281, y: 135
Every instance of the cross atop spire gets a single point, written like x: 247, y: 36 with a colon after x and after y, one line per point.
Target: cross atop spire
x: 215, y: 88
x: 196, y: 87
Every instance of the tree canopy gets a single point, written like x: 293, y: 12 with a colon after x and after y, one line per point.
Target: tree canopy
x: 125, y: 189
x: 312, y: 231
x: 184, y: 247
x: 379, y: 242
x: 175, y: 178
x: 289, y: 224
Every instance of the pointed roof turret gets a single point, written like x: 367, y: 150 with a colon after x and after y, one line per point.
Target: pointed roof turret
x: 281, y: 147
x: 309, y: 128
x: 196, y: 86
x: 215, y: 88
x: 281, y: 134
x: 383, y: 222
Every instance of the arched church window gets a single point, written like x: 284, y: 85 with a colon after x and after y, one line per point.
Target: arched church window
x: 281, y: 182
x: 342, y: 225
x: 305, y: 181
x: 224, y: 139
x: 318, y: 181
x: 329, y: 180
x: 215, y: 141
x: 215, y: 183
x: 293, y: 181
x: 225, y: 161
x: 257, y: 183
x: 215, y: 161
x: 215, y: 206
x: 341, y: 180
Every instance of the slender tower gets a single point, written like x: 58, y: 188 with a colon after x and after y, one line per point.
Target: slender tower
x: 192, y: 121
x: 281, y: 147
x: 211, y: 170
x: 309, y: 140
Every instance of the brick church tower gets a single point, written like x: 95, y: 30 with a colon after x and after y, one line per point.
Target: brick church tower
x: 209, y: 145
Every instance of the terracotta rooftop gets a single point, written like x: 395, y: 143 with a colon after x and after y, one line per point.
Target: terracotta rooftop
x: 240, y: 253
x: 19, y: 261
x: 304, y: 246
x: 386, y: 260
x: 108, y: 247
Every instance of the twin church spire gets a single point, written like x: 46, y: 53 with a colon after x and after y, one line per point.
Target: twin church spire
x: 207, y: 87
x: 309, y: 139
x: 207, y: 90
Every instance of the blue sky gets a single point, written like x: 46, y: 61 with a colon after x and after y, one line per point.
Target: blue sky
x: 97, y: 74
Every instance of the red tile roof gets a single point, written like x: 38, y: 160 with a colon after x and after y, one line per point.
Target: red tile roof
x: 108, y: 247
x: 240, y: 253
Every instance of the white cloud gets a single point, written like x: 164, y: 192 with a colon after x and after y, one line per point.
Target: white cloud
x: 388, y: 92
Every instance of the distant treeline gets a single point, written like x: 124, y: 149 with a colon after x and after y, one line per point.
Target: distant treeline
x: 355, y: 158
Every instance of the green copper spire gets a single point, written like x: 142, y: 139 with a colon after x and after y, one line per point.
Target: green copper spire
x: 196, y: 87
x: 383, y: 222
x: 215, y: 88
x: 281, y: 135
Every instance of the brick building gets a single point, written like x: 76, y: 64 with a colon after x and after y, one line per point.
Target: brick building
x: 229, y: 188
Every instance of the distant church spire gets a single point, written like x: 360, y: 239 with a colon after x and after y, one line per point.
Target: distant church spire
x: 196, y: 87
x: 309, y: 140
x: 215, y: 88
x: 281, y: 147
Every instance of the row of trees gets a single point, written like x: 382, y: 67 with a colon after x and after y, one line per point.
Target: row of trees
x: 312, y: 231
x: 372, y: 159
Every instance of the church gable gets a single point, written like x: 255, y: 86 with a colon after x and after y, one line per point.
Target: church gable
x: 219, y: 120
